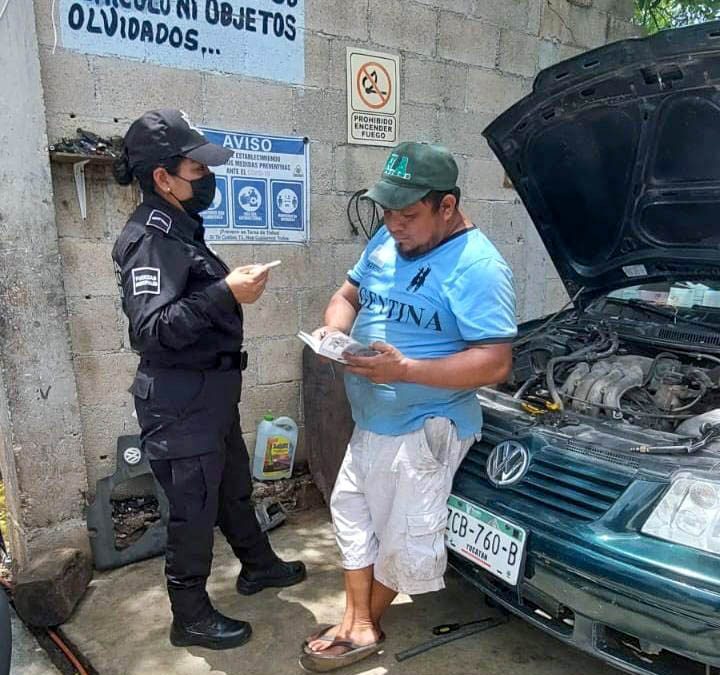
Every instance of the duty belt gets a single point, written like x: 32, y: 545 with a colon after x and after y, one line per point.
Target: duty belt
x: 226, y: 361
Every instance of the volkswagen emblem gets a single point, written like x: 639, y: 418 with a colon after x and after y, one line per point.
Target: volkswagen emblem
x: 507, y: 463
x: 132, y: 456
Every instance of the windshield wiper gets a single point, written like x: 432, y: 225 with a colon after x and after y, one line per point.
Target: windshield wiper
x: 651, y: 308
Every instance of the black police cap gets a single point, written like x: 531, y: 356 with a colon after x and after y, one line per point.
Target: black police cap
x: 161, y: 134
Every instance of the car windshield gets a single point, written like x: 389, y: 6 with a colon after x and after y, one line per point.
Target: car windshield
x: 678, y: 294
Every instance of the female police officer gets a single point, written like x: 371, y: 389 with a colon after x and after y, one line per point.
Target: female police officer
x: 186, y: 321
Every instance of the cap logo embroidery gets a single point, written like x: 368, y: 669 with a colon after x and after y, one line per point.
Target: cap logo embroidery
x: 186, y: 117
x: 161, y: 221
x: 397, y: 165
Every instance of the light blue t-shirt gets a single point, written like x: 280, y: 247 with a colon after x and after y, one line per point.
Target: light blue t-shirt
x: 439, y: 303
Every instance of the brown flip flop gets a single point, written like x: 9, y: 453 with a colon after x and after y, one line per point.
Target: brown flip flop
x: 319, y: 662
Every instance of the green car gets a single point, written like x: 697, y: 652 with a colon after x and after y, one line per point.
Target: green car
x: 591, y: 508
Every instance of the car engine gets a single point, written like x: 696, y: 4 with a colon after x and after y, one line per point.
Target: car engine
x: 591, y: 371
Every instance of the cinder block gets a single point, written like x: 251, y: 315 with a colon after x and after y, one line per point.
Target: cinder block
x: 250, y: 373
x: 67, y: 209
x: 460, y: 6
x: 125, y: 88
x: 248, y: 105
x: 519, y: 53
x: 358, y: 167
x: 101, y: 425
x: 622, y: 30
x: 93, y: 325
x: 419, y: 123
x: 279, y: 360
x: 321, y: 167
x: 622, y: 9
x: 68, y: 82
x: 556, y: 296
x: 281, y: 399
x: 551, y: 52
x: 302, y: 266
x: 317, y: 60
x: 106, y: 378
x: 515, y: 14
x: 483, y: 179
x: 47, y: 591
x: 570, y: 24
x: 347, y: 19
x: 461, y: 132
x: 492, y: 91
x: 435, y: 83
x: 513, y: 222
x: 328, y: 218
x: 88, y: 267
x: 345, y: 256
x: 321, y: 115
x: 275, y: 313
x: 312, y: 308
x: 467, y: 40
x: 403, y: 26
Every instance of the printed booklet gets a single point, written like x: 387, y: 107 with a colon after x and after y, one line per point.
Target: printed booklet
x: 335, y: 344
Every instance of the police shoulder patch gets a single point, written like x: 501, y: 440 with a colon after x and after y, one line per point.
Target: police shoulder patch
x: 146, y: 280
x: 160, y: 220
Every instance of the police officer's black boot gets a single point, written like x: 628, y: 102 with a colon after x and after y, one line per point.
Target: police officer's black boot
x: 276, y: 575
x: 215, y: 631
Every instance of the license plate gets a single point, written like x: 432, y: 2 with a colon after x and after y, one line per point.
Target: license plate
x: 488, y: 540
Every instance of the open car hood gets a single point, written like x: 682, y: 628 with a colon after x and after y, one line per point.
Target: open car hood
x: 616, y: 156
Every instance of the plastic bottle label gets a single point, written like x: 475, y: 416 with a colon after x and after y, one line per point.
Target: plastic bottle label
x: 277, y: 455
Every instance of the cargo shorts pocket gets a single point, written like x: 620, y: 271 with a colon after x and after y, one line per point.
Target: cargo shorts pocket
x: 425, y: 542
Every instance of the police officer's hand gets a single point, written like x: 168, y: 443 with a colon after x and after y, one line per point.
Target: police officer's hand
x: 247, y: 283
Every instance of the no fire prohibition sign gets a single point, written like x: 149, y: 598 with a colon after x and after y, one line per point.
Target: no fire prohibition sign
x: 373, y: 97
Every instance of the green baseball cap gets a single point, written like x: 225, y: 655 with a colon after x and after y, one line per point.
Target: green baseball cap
x: 412, y: 171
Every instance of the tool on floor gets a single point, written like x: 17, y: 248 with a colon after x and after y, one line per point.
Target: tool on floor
x: 269, y: 513
x: 449, y: 632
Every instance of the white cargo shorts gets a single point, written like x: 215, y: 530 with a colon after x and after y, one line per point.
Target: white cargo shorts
x: 389, y: 504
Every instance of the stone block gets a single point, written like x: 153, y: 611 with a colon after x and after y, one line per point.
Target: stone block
x: 515, y: 14
x: 88, y: 268
x: 512, y: 223
x: 312, y: 308
x: 106, y: 378
x: 94, y: 325
x: 328, y: 218
x: 492, y: 91
x: 551, y: 52
x: 47, y: 591
x: 403, y: 26
x: 345, y: 256
x: 459, y: 6
x: 419, y: 123
x: 622, y: 9
x: 302, y: 266
x: 346, y: 19
x: 358, y: 167
x: 317, y: 60
x: 461, y: 132
x: 68, y: 82
x: 275, y: 313
x: 124, y: 88
x: 435, y: 83
x: 239, y: 104
x: 570, y: 24
x: 467, y: 40
x: 321, y: 167
x: 556, y: 296
x: 519, y: 53
x: 279, y: 360
x: 321, y: 115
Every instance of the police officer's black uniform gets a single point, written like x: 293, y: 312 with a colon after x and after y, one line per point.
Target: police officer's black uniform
x: 188, y: 328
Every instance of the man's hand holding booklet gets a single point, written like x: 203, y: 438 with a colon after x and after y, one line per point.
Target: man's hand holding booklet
x: 334, y: 343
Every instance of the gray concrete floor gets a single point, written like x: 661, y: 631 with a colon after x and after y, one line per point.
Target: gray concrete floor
x: 28, y: 657
x: 122, y: 623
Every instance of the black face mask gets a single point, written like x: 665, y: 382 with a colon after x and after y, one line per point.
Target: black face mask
x: 203, y: 194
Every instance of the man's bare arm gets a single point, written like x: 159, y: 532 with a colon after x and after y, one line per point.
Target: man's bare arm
x: 343, y: 308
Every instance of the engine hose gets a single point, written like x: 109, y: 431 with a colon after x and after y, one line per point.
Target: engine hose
x: 526, y: 385
x: 589, y: 353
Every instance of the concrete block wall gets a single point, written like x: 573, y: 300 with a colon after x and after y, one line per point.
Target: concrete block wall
x: 462, y: 62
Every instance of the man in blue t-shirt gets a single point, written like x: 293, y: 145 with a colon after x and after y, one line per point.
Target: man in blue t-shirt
x: 435, y: 299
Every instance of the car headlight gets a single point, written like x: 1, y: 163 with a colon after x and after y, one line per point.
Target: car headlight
x: 688, y: 514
